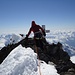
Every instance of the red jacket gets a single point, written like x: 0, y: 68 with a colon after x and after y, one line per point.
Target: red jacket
x: 35, y: 28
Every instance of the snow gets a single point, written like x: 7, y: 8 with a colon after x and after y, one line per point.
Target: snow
x: 72, y: 59
x: 66, y: 38
x: 48, y: 69
x: 20, y: 61
x: 23, y: 61
x: 6, y: 39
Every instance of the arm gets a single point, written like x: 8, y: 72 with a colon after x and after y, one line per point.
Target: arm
x: 29, y: 32
x: 42, y: 30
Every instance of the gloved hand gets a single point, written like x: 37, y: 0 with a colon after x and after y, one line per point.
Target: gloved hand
x: 44, y: 33
x: 26, y: 37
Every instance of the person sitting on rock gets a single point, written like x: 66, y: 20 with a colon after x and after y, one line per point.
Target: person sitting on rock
x: 38, y: 34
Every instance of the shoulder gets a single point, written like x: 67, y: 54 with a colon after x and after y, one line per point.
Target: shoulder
x: 38, y: 25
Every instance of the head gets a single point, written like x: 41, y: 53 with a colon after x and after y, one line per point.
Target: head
x: 33, y: 23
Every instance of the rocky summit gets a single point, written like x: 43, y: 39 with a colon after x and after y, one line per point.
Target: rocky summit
x: 48, y: 53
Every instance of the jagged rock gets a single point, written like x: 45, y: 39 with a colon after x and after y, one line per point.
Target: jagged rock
x: 50, y: 52
x: 71, y: 71
x: 6, y: 50
x: 54, y: 53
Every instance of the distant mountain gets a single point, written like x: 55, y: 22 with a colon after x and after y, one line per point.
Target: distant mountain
x: 66, y: 38
x: 9, y: 39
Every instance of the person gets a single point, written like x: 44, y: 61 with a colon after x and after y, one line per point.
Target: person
x: 38, y: 34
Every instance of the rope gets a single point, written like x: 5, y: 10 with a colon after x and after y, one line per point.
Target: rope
x: 38, y: 59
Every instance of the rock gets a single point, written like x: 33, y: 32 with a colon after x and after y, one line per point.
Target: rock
x: 50, y: 52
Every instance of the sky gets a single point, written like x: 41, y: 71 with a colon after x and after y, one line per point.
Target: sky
x: 16, y: 15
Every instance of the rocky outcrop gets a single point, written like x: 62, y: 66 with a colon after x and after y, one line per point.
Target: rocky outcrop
x: 50, y: 52
x: 54, y: 53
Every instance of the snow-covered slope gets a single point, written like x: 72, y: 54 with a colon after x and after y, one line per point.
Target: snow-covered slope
x: 23, y: 61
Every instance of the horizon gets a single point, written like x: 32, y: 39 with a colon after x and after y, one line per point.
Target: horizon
x: 16, y: 15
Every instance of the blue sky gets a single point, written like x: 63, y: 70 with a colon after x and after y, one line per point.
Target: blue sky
x: 16, y: 15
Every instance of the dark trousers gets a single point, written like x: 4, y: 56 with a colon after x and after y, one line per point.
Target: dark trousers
x: 39, y: 43
x: 38, y: 40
